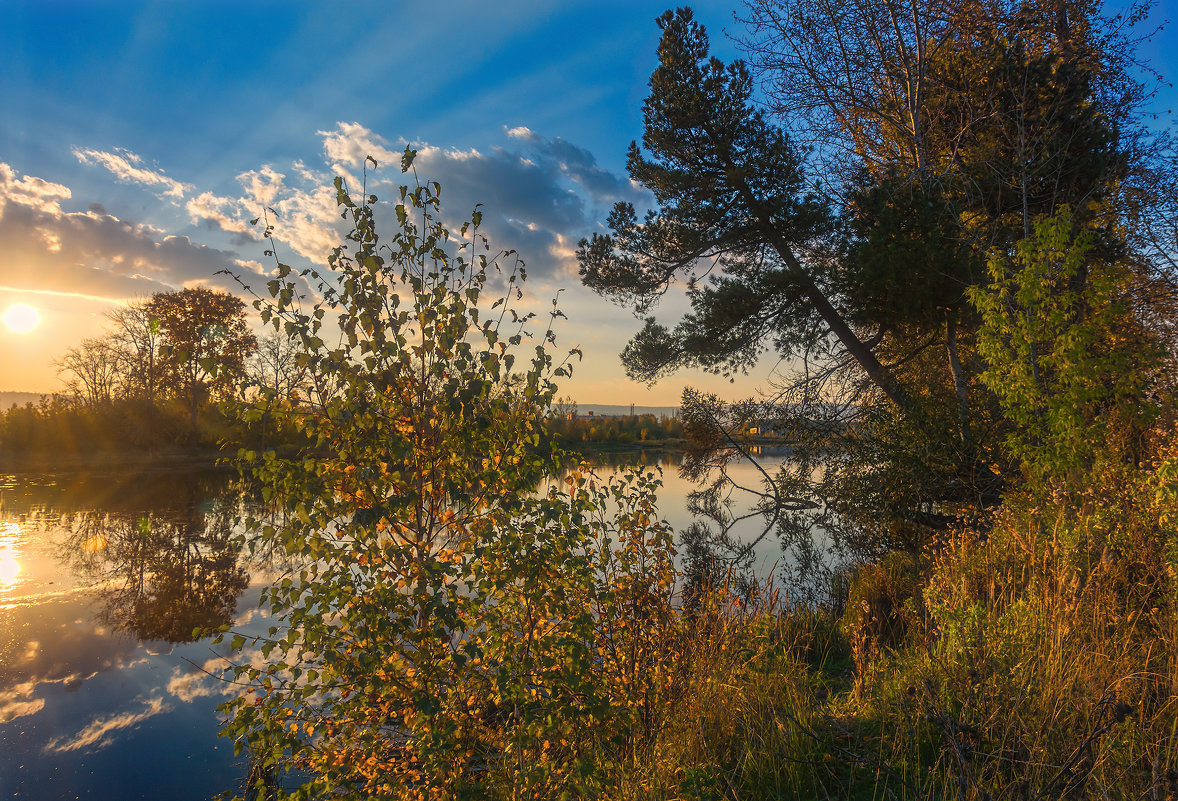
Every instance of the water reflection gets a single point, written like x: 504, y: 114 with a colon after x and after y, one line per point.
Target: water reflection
x: 9, y: 555
x: 102, y: 581
x: 160, y: 576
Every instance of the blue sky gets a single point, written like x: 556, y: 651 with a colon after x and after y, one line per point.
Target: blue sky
x: 138, y: 137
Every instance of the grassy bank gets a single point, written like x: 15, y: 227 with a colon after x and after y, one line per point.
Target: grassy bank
x: 1039, y: 661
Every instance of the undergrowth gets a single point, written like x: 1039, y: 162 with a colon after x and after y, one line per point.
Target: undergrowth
x: 1037, y: 659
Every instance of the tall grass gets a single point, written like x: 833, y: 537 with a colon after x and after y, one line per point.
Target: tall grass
x: 1036, y: 660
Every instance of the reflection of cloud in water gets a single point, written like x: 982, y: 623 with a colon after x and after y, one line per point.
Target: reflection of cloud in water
x: 202, y: 682
x: 249, y: 616
x: 97, y: 734
x: 158, y: 648
x: 11, y: 710
x: 215, y: 676
x: 62, y: 647
x: 19, y: 702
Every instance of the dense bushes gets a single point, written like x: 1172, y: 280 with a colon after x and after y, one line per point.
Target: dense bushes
x: 458, y: 624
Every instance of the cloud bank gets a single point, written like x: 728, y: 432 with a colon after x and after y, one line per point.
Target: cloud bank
x: 538, y: 196
x: 90, y: 253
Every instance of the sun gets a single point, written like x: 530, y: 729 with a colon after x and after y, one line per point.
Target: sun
x: 21, y: 318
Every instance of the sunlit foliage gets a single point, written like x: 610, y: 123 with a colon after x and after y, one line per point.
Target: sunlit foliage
x: 459, y: 623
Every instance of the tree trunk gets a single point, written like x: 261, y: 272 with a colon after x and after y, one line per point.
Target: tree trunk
x: 880, y: 375
x: 960, y: 384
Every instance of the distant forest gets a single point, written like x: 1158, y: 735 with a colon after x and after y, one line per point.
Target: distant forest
x: 10, y: 399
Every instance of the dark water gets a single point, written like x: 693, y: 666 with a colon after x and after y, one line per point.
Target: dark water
x: 104, y: 694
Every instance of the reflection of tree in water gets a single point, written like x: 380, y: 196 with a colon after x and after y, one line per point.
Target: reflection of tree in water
x: 163, y: 573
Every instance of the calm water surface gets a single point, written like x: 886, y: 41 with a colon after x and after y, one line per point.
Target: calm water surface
x: 104, y: 694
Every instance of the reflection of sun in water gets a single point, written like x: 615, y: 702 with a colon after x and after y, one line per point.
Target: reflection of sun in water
x: 94, y: 543
x: 9, y: 566
x: 21, y: 318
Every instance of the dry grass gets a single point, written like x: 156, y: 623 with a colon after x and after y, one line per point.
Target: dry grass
x: 1037, y: 662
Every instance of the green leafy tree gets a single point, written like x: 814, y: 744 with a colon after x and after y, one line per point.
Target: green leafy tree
x: 204, y: 344
x: 731, y: 191
x: 1067, y: 361
x: 455, y: 625
x: 943, y: 130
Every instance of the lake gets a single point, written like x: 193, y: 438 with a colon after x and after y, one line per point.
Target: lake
x: 103, y: 577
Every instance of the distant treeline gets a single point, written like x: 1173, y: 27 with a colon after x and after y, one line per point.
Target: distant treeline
x: 72, y: 426
x: 571, y: 429
x: 162, y: 376
x: 61, y: 426
x: 67, y: 425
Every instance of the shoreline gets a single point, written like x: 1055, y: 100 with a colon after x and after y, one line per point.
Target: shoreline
x: 215, y: 458
x: 164, y: 460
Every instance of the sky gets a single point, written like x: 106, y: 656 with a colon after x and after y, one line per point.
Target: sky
x: 137, y: 140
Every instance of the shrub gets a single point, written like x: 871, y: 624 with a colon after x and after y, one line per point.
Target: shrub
x: 455, y: 623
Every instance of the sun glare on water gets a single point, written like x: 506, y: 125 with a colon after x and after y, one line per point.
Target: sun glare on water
x: 21, y: 318
x: 9, y: 555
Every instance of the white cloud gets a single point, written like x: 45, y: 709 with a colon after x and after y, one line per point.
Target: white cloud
x: 128, y: 167
x: 262, y: 186
x: 309, y: 223
x: 36, y: 193
x: 90, y: 253
x: 520, y: 132
x: 99, y: 733
x: 453, y: 154
x: 250, y: 265
x: 304, y: 220
x: 309, y: 175
x: 350, y: 143
x: 564, y: 252
x: 228, y: 214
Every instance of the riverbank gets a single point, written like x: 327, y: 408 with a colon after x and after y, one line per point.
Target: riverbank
x: 208, y: 457
x: 131, y: 461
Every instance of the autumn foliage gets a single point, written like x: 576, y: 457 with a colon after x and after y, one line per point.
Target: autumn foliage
x: 458, y: 622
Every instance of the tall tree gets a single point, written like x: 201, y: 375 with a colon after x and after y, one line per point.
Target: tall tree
x: 944, y: 130
x: 136, y: 333
x: 731, y: 192
x: 91, y: 371
x: 205, y: 344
